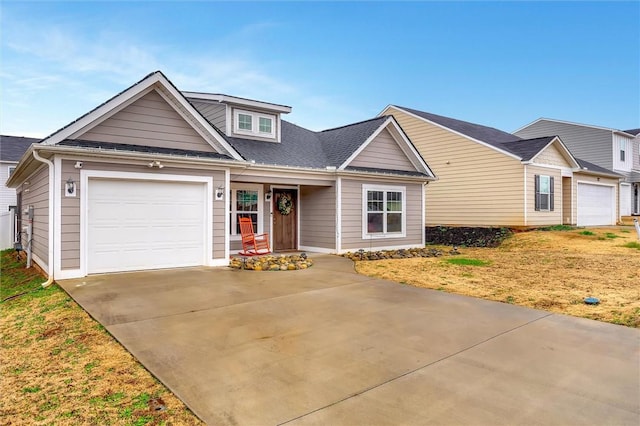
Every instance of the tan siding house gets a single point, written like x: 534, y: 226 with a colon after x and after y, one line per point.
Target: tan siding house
x: 155, y: 179
x: 487, y: 177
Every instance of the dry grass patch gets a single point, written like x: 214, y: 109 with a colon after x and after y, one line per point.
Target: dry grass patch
x: 550, y: 270
x: 59, y: 366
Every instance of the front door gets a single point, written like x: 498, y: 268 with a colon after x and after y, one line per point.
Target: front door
x: 285, y: 219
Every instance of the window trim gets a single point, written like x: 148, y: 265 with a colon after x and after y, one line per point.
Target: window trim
x: 255, y: 123
x: 366, y: 235
x: 233, y: 212
x: 538, y: 193
x: 622, y: 145
x: 10, y: 170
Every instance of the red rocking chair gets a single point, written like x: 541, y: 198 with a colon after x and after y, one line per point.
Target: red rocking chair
x: 252, y: 244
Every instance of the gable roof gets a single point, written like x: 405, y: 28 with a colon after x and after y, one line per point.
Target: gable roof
x: 507, y: 143
x: 300, y: 147
x: 590, y: 167
x: 571, y: 123
x: 154, y: 80
x: 12, y: 148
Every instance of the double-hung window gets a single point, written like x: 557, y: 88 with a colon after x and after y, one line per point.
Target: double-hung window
x: 544, y: 193
x: 245, y: 202
x: 254, y: 123
x: 623, y: 150
x: 384, y: 211
x: 11, y: 170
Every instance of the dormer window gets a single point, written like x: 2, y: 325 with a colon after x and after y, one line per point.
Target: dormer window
x: 252, y: 123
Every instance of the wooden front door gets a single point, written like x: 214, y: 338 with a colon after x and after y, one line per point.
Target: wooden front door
x: 285, y: 219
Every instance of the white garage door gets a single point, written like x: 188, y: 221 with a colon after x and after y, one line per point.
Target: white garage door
x: 596, y: 205
x: 135, y: 225
x: 625, y: 199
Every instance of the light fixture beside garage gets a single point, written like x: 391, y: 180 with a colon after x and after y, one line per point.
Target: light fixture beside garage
x: 70, y: 188
x: 155, y: 163
x: 219, y: 193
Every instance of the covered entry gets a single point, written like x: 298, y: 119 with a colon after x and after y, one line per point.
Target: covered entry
x: 136, y: 224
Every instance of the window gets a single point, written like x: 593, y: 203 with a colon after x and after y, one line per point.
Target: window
x: 265, y: 125
x: 383, y: 211
x: 11, y: 170
x: 254, y: 123
x: 623, y: 149
x: 244, y: 122
x: 544, y: 193
x: 245, y: 202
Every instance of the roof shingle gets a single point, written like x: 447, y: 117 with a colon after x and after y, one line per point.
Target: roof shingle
x: 12, y: 148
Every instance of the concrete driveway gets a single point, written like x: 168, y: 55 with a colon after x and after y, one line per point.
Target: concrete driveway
x: 327, y: 346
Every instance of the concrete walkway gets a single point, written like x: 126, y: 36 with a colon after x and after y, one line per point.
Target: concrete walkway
x: 327, y: 346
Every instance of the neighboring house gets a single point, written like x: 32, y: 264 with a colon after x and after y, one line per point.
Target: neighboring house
x: 487, y: 177
x: 157, y: 178
x: 612, y: 149
x: 11, y: 150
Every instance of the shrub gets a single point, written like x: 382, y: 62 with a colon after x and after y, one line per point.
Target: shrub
x: 466, y: 236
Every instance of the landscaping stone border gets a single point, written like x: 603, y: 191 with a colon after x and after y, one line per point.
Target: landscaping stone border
x: 272, y: 263
x: 466, y: 236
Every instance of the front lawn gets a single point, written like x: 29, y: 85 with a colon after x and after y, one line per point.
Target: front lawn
x: 59, y: 366
x: 553, y: 270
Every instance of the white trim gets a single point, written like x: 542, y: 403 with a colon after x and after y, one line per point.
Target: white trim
x: 384, y: 188
x: 227, y: 223
x: 85, y: 175
x: 219, y: 262
x: 219, y: 97
x: 338, y: 236
x: 421, y: 164
x: 573, y: 124
x: 66, y: 274
x: 525, y: 196
x: 255, y: 124
x: 615, y: 199
x: 228, y: 121
x: 565, y: 171
x: 9, y: 169
x: 363, y: 146
x: 57, y: 231
x: 232, y: 199
x: 40, y: 263
x: 450, y: 130
x: 562, y: 146
x: 423, y: 199
x: 128, y: 96
x: 368, y: 249
x: 322, y: 250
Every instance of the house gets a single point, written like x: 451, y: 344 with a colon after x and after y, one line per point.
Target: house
x: 11, y: 150
x: 617, y: 150
x: 487, y: 177
x: 157, y: 178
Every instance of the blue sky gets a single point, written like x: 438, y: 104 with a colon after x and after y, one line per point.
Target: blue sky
x: 502, y: 64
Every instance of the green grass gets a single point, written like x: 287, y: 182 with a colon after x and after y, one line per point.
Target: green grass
x: 633, y: 245
x: 611, y: 235
x: 586, y: 233
x: 557, y: 228
x: 467, y: 262
x: 16, y: 280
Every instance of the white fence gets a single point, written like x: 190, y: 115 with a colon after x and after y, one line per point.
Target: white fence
x: 7, y: 227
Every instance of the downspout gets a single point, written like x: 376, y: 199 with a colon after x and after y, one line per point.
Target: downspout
x: 52, y: 200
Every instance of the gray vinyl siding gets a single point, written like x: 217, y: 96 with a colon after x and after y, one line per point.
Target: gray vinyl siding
x: 318, y: 216
x: 7, y: 195
x: 587, y: 143
x: 36, y: 194
x: 149, y: 121
x: 351, y: 231
x: 635, y: 153
x: 70, y: 207
x: 215, y: 113
x: 383, y: 152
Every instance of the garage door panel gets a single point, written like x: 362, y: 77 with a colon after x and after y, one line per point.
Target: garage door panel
x: 135, y: 225
x: 595, y: 205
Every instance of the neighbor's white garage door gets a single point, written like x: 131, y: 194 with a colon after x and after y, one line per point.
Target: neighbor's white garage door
x: 625, y: 199
x: 135, y: 225
x: 596, y: 205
